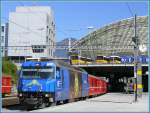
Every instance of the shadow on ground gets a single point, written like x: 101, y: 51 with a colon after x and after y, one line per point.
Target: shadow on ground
x: 109, y: 101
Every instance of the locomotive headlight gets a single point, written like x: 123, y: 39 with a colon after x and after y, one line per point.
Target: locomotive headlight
x: 20, y: 95
x: 47, y: 95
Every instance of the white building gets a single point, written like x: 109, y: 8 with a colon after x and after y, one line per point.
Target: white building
x: 31, y: 32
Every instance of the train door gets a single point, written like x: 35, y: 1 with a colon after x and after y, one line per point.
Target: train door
x: 85, y: 85
x: 59, y: 84
x: 58, y: 78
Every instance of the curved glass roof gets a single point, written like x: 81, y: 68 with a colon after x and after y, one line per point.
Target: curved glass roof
x: 113, y: 39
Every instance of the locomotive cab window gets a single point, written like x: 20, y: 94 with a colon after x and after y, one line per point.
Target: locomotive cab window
x: 38, y: 73
x: 46, y: 73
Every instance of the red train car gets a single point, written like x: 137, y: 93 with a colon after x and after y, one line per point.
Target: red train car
x: 97, y: 85
x: 6, y: 85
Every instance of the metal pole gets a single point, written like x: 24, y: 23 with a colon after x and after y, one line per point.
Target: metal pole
x: 135, y: 61
x: 138, y: 87
x: 69, y: 47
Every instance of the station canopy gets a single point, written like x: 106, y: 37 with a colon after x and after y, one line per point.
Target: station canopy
x: 114, y: 39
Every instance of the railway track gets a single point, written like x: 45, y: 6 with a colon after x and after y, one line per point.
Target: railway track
x: 9, y: 101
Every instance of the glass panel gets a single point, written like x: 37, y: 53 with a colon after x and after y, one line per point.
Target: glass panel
x: 29, y: 74
x: 46, y: 75
x: 99, y: 57
x: 74, y: 57
x: 35, y: 73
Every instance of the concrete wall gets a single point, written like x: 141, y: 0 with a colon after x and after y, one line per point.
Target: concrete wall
x: 29, y: 27
x: 2, y: 39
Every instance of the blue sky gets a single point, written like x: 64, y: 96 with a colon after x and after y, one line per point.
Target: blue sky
x: 73, y: 18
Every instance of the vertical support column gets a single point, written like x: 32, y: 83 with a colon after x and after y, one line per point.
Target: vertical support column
x: 80, y: 55
x: 90, y: 47
x: 139, y: 80
x: 69, y: 50
x: 138, y: 87
x: 135, y: 75
x: 135, y: 60
x: 137, y: 66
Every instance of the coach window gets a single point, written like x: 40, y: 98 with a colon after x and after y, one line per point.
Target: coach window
x: 2, y: 28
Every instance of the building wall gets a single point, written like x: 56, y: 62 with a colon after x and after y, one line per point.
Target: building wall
x: 4, y: 38
x: 29, y: 32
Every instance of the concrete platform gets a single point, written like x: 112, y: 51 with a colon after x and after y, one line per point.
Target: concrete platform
x: 111, y: 102
x: 10, y: 101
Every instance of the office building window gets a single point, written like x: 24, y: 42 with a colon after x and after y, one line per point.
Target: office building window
x: 2, y: 27
x: 50, y: 52
x: 2, y: 38
x: 46, y: 38
x: 49, y: 31
x: 2, y: 50
x: 38, y: 48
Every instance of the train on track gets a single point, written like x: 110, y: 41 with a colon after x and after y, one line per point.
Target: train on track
x: 44, y: 83
x: 100, y: 59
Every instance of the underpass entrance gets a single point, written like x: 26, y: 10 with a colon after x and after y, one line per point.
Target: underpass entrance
x: 119, y: 78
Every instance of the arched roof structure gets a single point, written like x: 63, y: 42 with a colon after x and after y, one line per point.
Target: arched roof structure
x: 113, y: 39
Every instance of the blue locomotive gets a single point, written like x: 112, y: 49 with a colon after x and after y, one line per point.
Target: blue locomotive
x: 47, y: 82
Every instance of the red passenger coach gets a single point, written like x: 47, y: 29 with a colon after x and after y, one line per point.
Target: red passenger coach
x: 6, y: 85
x: 97, y: 85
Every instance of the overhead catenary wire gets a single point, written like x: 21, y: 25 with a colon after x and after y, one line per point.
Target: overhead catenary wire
x: 21, y: 3
x: 130, y: 10
x: 67, y: 47
x: 81, y: 48
x: 35, y: 4
x: 131, y: 13
x: 23, y: 27
x: 58, y: 28
x: 28, y: 28
x: 137, y: 65
x: 52, y: 45
x: 39, y: 17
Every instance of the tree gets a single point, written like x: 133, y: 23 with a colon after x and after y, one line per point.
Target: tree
x: 9, y: 68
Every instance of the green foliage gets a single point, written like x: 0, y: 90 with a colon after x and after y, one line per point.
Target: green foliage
x: 9, y: 68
